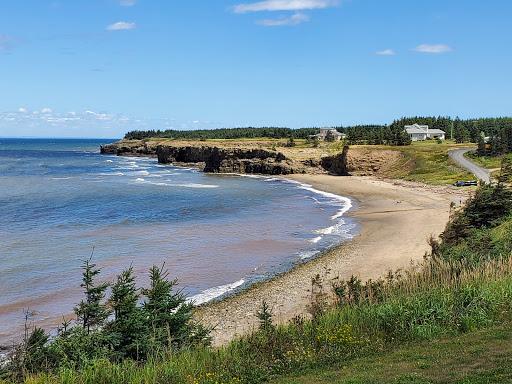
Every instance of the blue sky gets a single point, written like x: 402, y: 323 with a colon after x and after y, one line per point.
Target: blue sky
x: 97, y: 68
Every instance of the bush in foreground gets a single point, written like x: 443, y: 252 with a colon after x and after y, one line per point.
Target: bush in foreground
x: 456, y: 290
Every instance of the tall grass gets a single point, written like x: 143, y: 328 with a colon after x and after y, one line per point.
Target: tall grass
x: 427, y: 301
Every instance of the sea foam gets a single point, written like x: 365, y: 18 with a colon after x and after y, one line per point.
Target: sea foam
x: 212, y: 293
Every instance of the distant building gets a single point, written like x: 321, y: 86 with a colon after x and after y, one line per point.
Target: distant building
x: 329, y: 131
x: 422, y: 132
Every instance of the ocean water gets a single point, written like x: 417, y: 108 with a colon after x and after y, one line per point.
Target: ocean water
x: 61, y: 201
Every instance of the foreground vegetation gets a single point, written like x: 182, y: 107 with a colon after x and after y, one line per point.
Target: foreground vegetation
x: 463, y: 286
x: 480, y: 357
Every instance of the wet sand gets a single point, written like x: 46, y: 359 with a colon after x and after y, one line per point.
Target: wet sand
x: 396, y: 220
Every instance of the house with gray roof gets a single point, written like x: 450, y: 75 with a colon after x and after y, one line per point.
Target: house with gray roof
x: 324, y: 132
x: 419, y: 132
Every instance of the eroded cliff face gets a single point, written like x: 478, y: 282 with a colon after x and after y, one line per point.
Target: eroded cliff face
x: 227, y: 157
x: 210, y: 158
x: 130, y: 148
x: 230, y: 160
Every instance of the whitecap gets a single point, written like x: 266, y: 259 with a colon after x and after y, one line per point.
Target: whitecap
x: 193, y: 185
x: 309, y: 254
x: 212, y: 293
x: 190, y: 185
x: 112, y: 174
x: 315, y: 240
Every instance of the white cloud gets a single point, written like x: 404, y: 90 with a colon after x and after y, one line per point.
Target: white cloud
x: 46, y: 110
x: 433, y: 48
x: 121, y: 26
x: 284, y: 5
x: 127, y: 3
x: 386, y: 52
x: 294, y: 19
x: 22, y: 122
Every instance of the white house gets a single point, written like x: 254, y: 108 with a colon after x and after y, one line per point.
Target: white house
x: 422, y: 132
x: 326, y: 131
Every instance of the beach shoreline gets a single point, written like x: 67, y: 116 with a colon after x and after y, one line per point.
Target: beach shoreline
x: 395, y: 221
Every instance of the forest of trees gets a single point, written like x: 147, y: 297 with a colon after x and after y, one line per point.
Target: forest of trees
x: 226, y: 133
x: 493, y: 135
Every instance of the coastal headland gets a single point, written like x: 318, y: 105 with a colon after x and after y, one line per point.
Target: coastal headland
x: 396, y: 217
x: 269, y: 157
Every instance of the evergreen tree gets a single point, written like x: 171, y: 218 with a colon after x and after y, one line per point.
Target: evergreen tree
x: 481, y: 151
x: 127, y: 330
x: 329, y: 137
x: 505, y: 176
x: 169, y: 314
x: 264, y: 315
x: 91, y: 312
x: 458, y: 131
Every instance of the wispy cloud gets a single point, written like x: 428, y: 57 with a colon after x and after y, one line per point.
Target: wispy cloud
x: 127, y: 3
x: 294, y: 19
x: 284, y: 5
x: 6, y: 42
x: 45, y: 121
x: 121, y: 26
x: 433, y: 48
x: 386, y: 52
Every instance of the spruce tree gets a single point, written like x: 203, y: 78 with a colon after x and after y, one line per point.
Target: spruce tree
x: 264, y: 315
x: 167, y: 311
x: 127, y: 330
x: 91, y: 312
x: 481, y: 151
x: 505, y: 176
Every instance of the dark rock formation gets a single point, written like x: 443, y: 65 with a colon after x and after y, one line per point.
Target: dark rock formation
x: 129, y: 149
x: 229, y: 160
x: 336, y: 164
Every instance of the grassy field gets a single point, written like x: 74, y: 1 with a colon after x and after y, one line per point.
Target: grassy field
x: 427, y: 162
x: 481, y: 357
x: 489, y: 162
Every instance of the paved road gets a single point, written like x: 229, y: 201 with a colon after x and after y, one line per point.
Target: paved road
x: 457, y: 155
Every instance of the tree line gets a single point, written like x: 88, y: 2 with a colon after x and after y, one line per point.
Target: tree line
x: 494, y: 135
x: 225, y: 133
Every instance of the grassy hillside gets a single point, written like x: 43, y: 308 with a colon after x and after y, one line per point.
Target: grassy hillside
x: 428, y: 162
x: 481, y: 357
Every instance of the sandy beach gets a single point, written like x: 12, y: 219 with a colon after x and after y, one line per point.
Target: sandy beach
x: 396, y: 220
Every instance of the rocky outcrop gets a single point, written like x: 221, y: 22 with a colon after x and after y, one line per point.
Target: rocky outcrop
x: 229, y: 160
x: 240, y: 157
x: 336, y: 164
x: 125, y: 148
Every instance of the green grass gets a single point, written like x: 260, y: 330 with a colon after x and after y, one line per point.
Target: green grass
x: 432, y: 165
x: 480, y: 357
x: 489, y: 162
x: 428, y: 162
